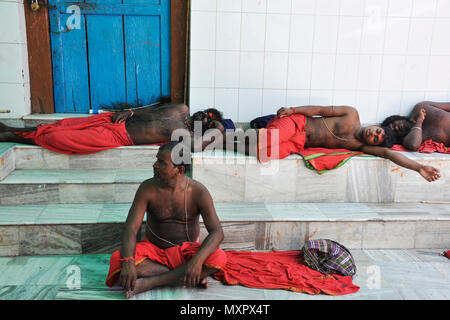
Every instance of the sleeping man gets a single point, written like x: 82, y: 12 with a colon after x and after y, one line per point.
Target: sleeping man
x: 427, y: 121
x: 334, y: 127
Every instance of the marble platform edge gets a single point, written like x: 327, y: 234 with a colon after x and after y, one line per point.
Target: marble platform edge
x: 105, y: 238
x: 7, y: 160
x: 69, y: 213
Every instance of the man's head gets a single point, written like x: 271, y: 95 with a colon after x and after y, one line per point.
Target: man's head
x: 172, y: 160
x: 400, y: 125
x: 378, y: 136
x: 206, y: 117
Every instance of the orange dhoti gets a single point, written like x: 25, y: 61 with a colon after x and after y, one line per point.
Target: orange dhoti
x: 172, y: 257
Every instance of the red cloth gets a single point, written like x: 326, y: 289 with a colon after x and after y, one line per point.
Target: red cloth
x: 172, y: 257
x: 292, y: 137
x: 280, y: 270
x: 428, y: 146
x: 446, y: 254
x: 82, y: 135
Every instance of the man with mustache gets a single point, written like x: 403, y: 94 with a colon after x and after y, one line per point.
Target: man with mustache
x: 333, y: 127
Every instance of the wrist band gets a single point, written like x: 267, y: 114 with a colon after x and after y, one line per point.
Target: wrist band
x: 417, y: 128
x: 126, y: 259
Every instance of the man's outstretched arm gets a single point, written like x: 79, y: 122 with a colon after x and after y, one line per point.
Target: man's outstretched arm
x: 210, y: 244
x: 133, y: 223
x: 427, y: 172
x: 309, y: 111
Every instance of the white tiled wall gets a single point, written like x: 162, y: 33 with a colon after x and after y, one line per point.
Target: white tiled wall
x: 250, y: 57
x: 14, y: 74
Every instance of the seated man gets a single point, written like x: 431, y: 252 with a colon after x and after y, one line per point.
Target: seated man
x: 170, y: 254
x: 85, y: 135
x: 428, y: 120
x: 338, y: 127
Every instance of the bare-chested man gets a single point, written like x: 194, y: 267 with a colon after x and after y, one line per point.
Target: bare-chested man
x: 428, y: 120
x: 333, y: 127
x: 170, y: 254
x: 146, y: 125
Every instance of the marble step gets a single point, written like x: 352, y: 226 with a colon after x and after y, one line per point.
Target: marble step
x: 233, y: 177
x: 128, y: 157
x: 96, y: 228
x: 71, y: 186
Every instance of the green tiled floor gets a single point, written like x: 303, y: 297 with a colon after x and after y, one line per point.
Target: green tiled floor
x: 403, y: 274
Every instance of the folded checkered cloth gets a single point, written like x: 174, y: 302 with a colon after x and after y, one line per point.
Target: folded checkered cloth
x: 328, y: 256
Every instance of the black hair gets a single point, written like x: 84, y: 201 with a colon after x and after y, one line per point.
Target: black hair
x: 390, y: 138
x: 206, y: 117
x: 393, y: 118
x: 186, y: 163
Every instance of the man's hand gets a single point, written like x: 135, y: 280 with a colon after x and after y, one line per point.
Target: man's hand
x: 192, y: 273
x: 284, y: 112
x: 429, y: 173
x: 128, y: 275
x: 420, y: 116
x: 121, y: 116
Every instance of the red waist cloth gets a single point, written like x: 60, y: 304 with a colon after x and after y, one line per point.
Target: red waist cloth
x: 280, y: 270
x: 291, y: 139
x: 428, y: 146
x: 172, y: 257
x: 82, y: 135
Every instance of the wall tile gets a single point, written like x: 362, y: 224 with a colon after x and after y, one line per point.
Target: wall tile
x: 322, y: 73
x: 229, y: 5
x: 203, y: 30
x: 228, y: 101
x: 253, y: 32
x: 297, y: 97
x: 369, y: 72
x: 440, y: 43
x: 424, y: 8
x: 420, y: 35
x: 202, y: 68
x: 279, y: 6
x: 275, y: 70
x: 352, y: 8
x: 227, y: 69
x: 254, y: 6
x: 443, y: 9
x: 250, y: 104
x: 346, y: 72
x: 277, y: 32
x: 228, y: 31
x: 416, y: 73
x: 349, y: 35
x: 397, y: 32
x: 439, y: 69
x: 373, y: 35
x: 325, y: 34
x: 204, y: 5
x: 393, y: 72
x: 400, y: 8
x: 327, y: 7
x: 376, y: 7
x: 299, y: 71
x: 251, y: 70
x: 273, y: 100
x: 302, y: 33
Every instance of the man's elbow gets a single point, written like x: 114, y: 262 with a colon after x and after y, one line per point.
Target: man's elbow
x: 411, y: 146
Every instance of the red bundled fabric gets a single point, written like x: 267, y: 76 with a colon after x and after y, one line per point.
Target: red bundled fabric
x: 82, y: 135
x: 280, y: 270
x: 172, y: 257
x: 446, y: 254
x: 428, y: 146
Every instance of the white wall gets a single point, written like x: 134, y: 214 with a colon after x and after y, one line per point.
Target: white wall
x: 14, y: 74
x: 250, y: 57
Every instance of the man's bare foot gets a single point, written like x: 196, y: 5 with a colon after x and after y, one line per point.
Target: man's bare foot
x: 142, y: 285
x: 203, y: 284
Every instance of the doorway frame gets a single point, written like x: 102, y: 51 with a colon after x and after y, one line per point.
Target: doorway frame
x: 40, y: 57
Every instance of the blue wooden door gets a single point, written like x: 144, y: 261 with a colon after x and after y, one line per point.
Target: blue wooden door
x: 107, y: 51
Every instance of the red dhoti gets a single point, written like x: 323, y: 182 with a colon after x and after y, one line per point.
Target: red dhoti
x: 291, y: 137
x: 172, y: 257
x: 83, y: 135
x: 280, y: 270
